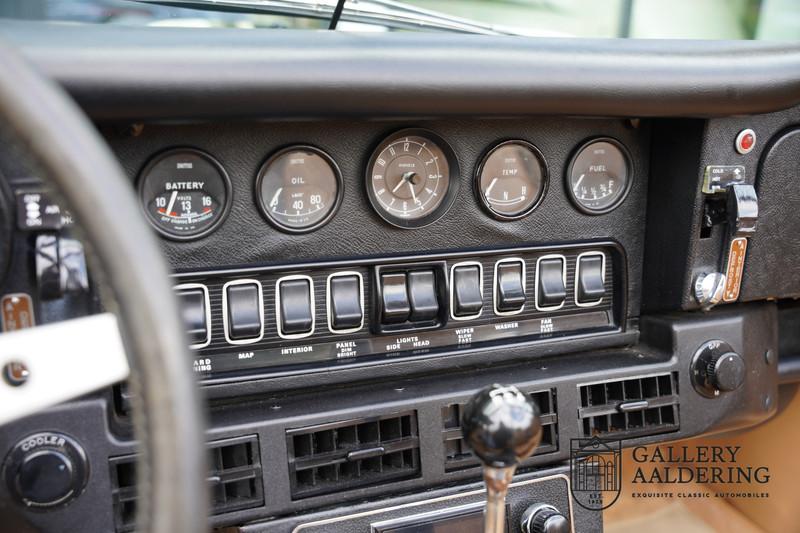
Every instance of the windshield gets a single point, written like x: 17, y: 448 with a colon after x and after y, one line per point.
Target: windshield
x: 687, y: 19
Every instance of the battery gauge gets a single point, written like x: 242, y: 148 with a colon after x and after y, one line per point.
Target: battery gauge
x: 185, y: 193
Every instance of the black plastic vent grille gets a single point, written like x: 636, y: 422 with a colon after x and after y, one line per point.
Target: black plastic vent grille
x: 235, y: 480
x: 630, y: 408
x: 458, y: 456
x: 353, y: 453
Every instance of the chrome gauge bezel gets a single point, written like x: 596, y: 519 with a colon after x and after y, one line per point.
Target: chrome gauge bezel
x: 453, y: 179
x: 626, y: 155
x: 277, y: 224
x: 223, y: 175
x: 482, y: 163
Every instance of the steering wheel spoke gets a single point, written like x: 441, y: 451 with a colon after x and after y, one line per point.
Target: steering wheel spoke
x: 46, y: 365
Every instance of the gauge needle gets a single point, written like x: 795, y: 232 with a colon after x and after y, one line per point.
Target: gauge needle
x: 171, y: 202
x: 406, y: 178
x: 489, y: 188
x: 578, y: 183
x: 274, y: 201
x: 413, y: 195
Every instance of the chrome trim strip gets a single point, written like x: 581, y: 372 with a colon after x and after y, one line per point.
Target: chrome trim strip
x: 318, y: 523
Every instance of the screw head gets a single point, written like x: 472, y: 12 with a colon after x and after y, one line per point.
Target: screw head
x: 15, y: 373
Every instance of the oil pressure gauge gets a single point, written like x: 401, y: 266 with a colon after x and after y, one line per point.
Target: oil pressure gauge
x: 511, y: 180
x: 599, y: 176
x: 299, y: 189
x: 185, y: 193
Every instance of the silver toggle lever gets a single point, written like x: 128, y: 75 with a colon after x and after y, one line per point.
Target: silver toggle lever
x: 711, y: 288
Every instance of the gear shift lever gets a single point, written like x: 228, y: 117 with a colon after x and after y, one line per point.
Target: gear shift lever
x: 501, y: 426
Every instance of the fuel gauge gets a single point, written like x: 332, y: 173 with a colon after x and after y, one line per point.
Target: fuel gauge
x: 185, y: 193
x: 511, y: 180
x: 599, y: 176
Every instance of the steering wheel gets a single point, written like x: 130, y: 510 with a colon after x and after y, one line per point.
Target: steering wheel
x: 141, y: 338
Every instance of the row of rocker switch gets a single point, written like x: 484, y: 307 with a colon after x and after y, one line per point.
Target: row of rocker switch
x: 412, y: 296
x: 243, y: 308
x: 509, y: 285
x: 409, y: 296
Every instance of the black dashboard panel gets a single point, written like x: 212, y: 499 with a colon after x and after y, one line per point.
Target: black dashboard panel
x: 356, y: 231
x: 681, y: 151
x: 356, y: 236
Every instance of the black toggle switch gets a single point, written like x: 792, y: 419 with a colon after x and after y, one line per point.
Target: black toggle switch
x: 467, y: 289
x: 244, y: 311
x: 193, y: 310
x: 344, y: 302
x: 297, y: 314
x: 422, y: 295
x: 550, y: 290
x: 60, y: 266
x: 396, y: 307
x: 510, y: 290
x: 589, y: 282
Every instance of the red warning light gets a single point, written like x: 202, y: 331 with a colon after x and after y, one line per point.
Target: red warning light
x: 745, y: 141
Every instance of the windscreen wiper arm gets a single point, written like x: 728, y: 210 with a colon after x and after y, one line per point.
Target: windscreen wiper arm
x: 389, y: 13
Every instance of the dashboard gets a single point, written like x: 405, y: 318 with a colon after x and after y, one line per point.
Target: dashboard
x: 355, y: 258
x: 351, y: 309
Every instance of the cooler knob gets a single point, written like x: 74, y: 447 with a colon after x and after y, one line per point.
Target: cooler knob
x: 46, y: 470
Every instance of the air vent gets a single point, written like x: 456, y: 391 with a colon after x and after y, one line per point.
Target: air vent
x: 354, y: 453
x: 457, y: 454
x: 630, y: 408
x: 235, y: 480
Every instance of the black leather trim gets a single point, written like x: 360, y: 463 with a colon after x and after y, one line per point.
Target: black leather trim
x: 160, y: 73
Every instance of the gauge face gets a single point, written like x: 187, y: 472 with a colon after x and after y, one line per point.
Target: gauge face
x: 412, y: 178
x: 511, y: 180
x: 599, y: 176
x: 299, y: 189
x: 185, y: 193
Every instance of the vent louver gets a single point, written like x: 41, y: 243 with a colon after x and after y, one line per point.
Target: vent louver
x: 631, y: 407
x: 353, y: 453
x: 458, y: 456
x: 235, y: 480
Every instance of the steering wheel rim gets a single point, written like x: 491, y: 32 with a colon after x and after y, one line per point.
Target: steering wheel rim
x: 66, y: 151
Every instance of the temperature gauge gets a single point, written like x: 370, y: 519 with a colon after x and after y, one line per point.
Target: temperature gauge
x: 299, y: 188
x: 511, y: 180
x: 599, y: 176
x: 185, y: 193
